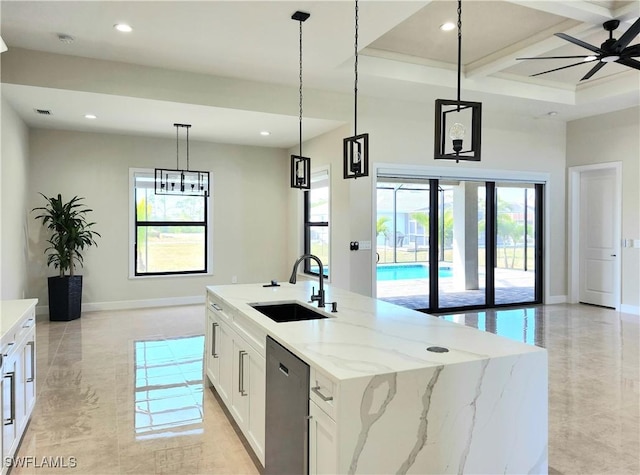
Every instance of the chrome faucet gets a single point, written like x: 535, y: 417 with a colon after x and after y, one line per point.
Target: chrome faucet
x: 319, y: 297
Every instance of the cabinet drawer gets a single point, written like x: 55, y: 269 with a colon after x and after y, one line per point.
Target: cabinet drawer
x: 323, y: 391
x: 219, y: 309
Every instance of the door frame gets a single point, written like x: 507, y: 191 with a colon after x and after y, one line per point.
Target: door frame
x: 574, y: 193
x: 472, y: 174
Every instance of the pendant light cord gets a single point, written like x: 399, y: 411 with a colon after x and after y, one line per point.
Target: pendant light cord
x: 300, y: 119
x: 355, y: 87
x: 459, y: 47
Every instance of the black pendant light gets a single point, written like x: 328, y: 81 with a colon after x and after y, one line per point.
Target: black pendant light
x: 300, y: 166
x: 355, y: 149
x: 458, y: 123
x: 179, y: 181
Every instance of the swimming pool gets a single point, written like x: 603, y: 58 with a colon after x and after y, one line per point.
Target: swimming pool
x: 410, y: 271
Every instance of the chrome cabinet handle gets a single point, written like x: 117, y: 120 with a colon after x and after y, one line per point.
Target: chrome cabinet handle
x: 12, y: 418
x: 316, y: 389
x: 27, y: 324
x: 32, y: 378
x: 216, y: 306
x: 214, y: 352
x: 241, y: 389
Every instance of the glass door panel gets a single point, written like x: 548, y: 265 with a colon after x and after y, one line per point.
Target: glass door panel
x: 515, y: 262
x: 402, y: 228
x: 461, y: 241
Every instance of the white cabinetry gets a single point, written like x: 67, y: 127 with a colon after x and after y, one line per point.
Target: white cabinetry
x: 323, y: 449
x: 235, y: 365
x: 323, y: 446
x: 18, y: 396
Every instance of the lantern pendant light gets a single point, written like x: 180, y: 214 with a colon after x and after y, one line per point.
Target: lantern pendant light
x: 181, y: 182
x: 355, y: 149
x: 455, y: 120
x: 300, y: 165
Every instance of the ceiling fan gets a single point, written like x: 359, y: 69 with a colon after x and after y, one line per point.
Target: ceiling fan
x: 610, y: 51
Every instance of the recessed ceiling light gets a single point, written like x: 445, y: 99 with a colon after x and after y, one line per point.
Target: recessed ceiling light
x: 552, y: 114
x: 448, y: 26
x: 265, y: 133
x: 589, y: 58
x: 90, y: 116
x: 123, y: 27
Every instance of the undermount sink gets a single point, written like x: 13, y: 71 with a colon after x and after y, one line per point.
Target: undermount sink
x: 287, y: 312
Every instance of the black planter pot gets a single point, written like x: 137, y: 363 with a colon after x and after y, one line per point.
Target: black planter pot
x: 65, y: 298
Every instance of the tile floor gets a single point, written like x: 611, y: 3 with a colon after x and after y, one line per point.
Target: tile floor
x: 119, y: 392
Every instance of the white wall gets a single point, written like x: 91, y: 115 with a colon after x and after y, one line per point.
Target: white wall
x: 14, y: 186
x: 249, y: 211
x: 402, y: 133
x: 609, y: 138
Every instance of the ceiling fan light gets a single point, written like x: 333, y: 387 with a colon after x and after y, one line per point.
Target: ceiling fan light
x: 610, y: 59
x: 590, y: 58
x: 448, y: 26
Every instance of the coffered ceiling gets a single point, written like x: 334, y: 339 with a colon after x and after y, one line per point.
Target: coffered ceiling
x: 403, y: 55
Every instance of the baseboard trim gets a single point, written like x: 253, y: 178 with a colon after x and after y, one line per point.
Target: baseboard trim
x: 132, y: 304
x: 632, y: 309
x: 555, y: 299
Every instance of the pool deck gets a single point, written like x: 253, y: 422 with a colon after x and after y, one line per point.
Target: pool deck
x: 512, y: 286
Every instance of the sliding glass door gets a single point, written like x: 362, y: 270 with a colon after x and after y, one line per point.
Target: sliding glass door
x: 461, y: 244
x: 450, y: 244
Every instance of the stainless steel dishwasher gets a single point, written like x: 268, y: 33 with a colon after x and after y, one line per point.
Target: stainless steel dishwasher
x: 287, y: 411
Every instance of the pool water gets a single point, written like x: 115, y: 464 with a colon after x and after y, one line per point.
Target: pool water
x: 412, y: 271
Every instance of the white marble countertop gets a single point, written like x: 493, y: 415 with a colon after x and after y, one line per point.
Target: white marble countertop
x: 11, y: 311
x: 366, y: 336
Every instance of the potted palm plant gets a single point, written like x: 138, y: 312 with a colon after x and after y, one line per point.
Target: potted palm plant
x: 71, y: 234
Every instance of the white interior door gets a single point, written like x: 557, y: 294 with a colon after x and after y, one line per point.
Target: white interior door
x: 599, y: 238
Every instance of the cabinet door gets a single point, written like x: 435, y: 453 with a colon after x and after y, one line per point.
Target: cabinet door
x: 29, y: 374
x: 212, y: 348
x: 225, y: 361
x: 239, y: 390
x: 9, y: 420
x: 255, y: 386
x: 323, y: 450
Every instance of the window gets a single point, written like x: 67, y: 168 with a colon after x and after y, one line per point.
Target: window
x: 170, y: 232
x: 316, y: 223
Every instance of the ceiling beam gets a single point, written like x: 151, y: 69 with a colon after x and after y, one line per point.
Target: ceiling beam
x: 576, y: 10
x: 536, y: 45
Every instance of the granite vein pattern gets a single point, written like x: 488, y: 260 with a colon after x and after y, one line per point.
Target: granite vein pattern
x: 480, y: 407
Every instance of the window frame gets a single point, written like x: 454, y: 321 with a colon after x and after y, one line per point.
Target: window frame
x: 133, y: 233
x: 319, y: 175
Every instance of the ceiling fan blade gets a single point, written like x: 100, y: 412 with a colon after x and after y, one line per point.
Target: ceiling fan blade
x: 558, y: 69
x: 632, y: 63
x: 626, y: 38
x: 578, y: 42
x: 556, y: 57
x: 631, y: 51
x: 593, y: 70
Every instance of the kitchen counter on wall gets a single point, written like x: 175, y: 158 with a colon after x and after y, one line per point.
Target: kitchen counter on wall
x: 479, y: 407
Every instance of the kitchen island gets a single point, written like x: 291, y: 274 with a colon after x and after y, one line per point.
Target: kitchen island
x: 379, y: 400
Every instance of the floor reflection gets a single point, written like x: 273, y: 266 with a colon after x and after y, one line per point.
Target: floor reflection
x: 520, y: 324
x: 168, y: 387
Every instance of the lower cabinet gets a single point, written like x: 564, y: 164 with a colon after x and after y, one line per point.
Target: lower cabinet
x: 18, y: 392
x: 248, y: 393
x: 323, y: 448
x: 237, y: 372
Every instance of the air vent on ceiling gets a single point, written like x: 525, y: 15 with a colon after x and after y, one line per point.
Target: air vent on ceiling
x: 43, y: 111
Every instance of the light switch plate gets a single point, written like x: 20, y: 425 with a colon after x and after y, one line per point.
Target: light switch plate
x: 365, y: 244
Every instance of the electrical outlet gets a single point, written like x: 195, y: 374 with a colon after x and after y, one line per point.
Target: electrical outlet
x: 234, y: 279
x: 354, y: 245
x: 636, y: 243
